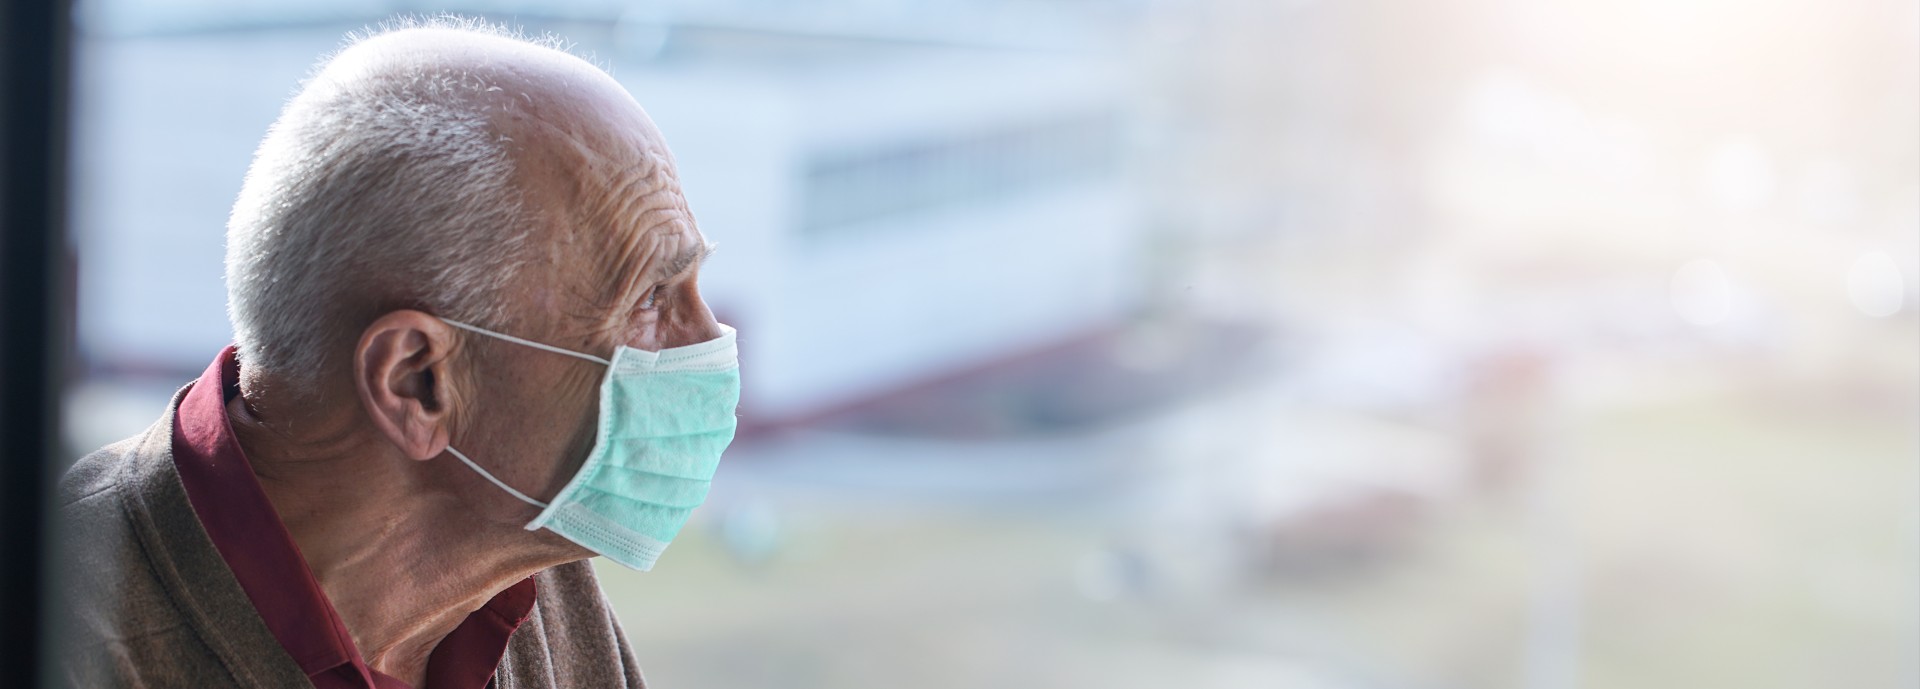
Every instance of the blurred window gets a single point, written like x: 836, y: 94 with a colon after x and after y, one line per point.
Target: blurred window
x: 848, y: 186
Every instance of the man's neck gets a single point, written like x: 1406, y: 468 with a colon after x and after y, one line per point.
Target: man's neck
x: 399, y: 585
x: 402, y: 562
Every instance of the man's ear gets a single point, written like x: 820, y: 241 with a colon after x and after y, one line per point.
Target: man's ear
x: 400, y: 369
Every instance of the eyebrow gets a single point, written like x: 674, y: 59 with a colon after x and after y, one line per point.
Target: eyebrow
x: 663, y: 272
x: 692, y: 257
x: 678, y: 265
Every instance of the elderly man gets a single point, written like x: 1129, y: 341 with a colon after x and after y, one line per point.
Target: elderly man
x: 470, y: 353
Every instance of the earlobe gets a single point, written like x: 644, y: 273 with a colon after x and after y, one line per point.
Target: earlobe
x: 399, y: 370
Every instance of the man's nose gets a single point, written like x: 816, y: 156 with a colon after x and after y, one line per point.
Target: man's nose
x: 694, y: 325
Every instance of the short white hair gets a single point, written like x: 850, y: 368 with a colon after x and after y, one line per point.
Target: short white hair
x: 369, y: 195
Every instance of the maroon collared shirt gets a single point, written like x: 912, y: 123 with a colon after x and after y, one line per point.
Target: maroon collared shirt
x: 255, y: 544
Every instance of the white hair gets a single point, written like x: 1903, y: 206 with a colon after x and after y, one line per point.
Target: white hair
x: 369, y: 194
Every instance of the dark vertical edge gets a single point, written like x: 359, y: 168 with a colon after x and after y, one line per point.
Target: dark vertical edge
x: 35, y: 312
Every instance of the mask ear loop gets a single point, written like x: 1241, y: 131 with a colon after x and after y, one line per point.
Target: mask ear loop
x: 502, y: 484
x: 529, y: 343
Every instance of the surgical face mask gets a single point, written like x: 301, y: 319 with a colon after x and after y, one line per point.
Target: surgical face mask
x: 665, y: 417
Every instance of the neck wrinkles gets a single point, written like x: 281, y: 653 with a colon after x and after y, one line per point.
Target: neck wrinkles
x: 402, y: 562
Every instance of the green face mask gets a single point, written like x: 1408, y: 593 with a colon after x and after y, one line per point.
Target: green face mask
x: 665, y: 417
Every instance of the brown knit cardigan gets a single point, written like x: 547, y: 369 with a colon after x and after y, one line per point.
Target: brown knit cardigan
x: 146, y: 601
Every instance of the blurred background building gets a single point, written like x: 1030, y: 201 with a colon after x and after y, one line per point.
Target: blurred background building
x: 1218, y: 343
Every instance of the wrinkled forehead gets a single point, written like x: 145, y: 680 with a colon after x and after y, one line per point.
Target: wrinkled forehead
x: 601, y: 176
x: 588, y: 155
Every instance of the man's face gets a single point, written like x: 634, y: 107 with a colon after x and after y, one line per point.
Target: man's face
x: 616, y: 262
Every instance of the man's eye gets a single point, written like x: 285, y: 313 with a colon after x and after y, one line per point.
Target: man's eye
x: 653, y: 294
